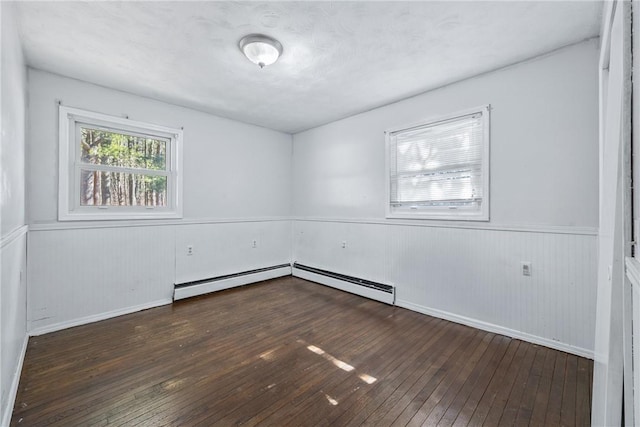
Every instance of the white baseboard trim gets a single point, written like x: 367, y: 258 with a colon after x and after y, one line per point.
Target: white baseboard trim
x: 363, y: 291
x: 97, y: 317
x: 490, y: 327
x: 13, y: 391
x: 231, y: 282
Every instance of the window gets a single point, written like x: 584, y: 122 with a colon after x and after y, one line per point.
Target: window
x: 115, y: 168
x: 439, y: 169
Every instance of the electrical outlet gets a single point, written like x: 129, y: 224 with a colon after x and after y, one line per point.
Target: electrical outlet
x: 526, y: 268
x: 344, y: 244
x: 255, y: 244
x: 189, y: 250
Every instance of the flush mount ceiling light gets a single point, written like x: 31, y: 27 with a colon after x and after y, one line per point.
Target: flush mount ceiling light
x: 260, y: 49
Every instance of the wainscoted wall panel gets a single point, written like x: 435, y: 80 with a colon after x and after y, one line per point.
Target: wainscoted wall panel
x: 227, y: 248
x: 75, y: 274
x: 13, y: 228
x: 470, y: 275
x: 13, y: 330
x: 78, y: 275
x: 319, y: 244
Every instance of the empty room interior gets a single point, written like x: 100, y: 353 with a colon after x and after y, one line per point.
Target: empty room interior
x: 319, y: 213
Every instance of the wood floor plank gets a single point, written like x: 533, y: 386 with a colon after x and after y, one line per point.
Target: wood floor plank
x: 197, y: 412
x: 509, y: 386
x: 512, y: 404
x: 554, y: 407
x: 569, y: 394
x: 544, y: 389
x: 292, y: 352
x: 348, y: 357
x: 375, y: 361
x: 405, y: 364
x: 449, y: 361
x: 583, y: 392
x: 434, y: 408
x: 523, y: 416
x: 463, y: 416
x: 497, y: 383
x: 402, y: 396
x: 462, y: 407
x: 433, y: 341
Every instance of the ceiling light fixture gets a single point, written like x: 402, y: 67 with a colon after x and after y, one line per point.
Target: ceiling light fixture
x: 260, y: 49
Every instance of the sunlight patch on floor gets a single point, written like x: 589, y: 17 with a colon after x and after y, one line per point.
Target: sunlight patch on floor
x: 268, y: 355
x: 331, y: 400
x: 367, y: 378
x: 337, y: 362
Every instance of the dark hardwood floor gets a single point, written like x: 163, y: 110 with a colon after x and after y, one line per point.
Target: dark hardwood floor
x: 287, y: 352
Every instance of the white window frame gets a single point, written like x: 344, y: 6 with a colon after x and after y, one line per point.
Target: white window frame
x: 439, y: 213
x: 69, y: 208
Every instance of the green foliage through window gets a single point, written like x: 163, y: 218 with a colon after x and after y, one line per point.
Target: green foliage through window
x: 122, y: 188
x: 117, y: 149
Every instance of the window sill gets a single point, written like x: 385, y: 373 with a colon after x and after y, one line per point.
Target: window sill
x: 439, y: 217
x: 123, y: 216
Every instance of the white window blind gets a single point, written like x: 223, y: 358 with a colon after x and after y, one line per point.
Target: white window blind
x: 439, y: 168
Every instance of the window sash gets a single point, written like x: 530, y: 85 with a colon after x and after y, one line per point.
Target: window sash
x: 77, y: 202
x: 465, y: 183
x: 71, y: 167
x: 79, y: 125
x: 129, y: 207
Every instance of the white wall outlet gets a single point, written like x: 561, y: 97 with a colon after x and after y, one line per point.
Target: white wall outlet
x: 344, y: 244
x: 189, y: 250
x: 255, y: 244
x: 526, y: 268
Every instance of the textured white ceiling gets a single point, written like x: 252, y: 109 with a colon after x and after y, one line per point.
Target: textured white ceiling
x: 340, y: 58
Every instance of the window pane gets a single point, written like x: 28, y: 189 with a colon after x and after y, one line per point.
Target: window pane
x: 440, y: 146
x: 102, y: 188
x: 464, y: 184
x: 101, y: 147
x: 438, y: 164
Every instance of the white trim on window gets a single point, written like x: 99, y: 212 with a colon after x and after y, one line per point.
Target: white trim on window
x: 69, y: 206
x: 450, y: 212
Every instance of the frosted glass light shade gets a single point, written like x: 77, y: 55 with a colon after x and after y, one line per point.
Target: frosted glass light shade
x: 261, y: 50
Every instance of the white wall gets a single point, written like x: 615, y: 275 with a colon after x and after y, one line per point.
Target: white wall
x: 236, y: 189
x: 544, y: 204
x: 231, y: 169
x: 544, y: 156
x: 272, y: 248
x: 12, y: 213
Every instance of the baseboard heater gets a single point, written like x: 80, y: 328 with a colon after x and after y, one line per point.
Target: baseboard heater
x: 362, y: 287
x: 199, y: 287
